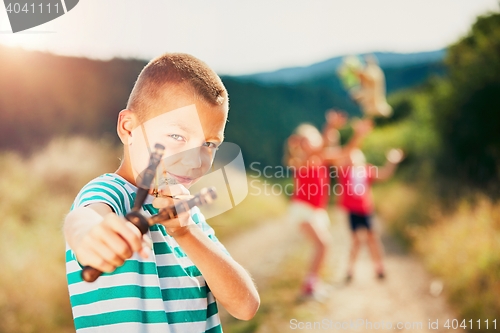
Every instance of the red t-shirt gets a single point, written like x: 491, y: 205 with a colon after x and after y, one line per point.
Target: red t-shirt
x: 355, y: 193
x: 312, y: 185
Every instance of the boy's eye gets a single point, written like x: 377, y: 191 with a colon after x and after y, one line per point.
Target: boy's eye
x: 211, y: 145
x: 177, y: 137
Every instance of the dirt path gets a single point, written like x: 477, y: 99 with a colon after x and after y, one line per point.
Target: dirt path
x: 402, y: 302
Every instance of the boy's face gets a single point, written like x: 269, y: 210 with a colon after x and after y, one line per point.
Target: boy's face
x: 190, y: 130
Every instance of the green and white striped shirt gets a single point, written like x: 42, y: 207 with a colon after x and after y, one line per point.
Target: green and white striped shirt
x: 164, y: 293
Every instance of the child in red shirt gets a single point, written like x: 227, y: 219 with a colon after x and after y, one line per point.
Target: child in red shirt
x: 311, y: 153
x: 311, y: 193
x: 355, y: 178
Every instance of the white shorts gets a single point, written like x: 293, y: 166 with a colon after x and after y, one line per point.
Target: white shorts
x: 301, y: 212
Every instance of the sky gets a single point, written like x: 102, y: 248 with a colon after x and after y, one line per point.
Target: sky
x: 240, y: 37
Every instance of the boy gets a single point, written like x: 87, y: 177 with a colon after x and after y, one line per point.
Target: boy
x: 180, y: 102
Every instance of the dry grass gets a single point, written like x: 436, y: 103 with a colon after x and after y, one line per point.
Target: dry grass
x: 464, y: 249
x: 35, y: 194
x: 399, y: 207
x: 461, y: 247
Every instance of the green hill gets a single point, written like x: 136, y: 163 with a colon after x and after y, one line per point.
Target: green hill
x: 387, y: 61
x: 44, y: 95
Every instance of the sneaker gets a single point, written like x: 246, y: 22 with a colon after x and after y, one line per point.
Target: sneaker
x: 348, y: 278
x: 320, y: 293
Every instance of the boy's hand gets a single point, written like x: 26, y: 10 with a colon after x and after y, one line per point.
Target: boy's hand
x: 106, y: 245
x: 171, y: 195
x: 336, y: 119
x: 362, y: 127
x: 395, y: 156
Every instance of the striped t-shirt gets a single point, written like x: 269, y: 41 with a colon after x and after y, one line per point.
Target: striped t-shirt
x: 164, y: 293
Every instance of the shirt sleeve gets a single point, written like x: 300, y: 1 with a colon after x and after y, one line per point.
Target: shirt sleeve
x: 107, y: 191
x: 199, y: 219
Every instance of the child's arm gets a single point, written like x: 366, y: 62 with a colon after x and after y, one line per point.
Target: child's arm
x: 101, y: 239
x: 394, y: 157
x: 230, y: 284
x: 330, y: 133
x: 361, y: 129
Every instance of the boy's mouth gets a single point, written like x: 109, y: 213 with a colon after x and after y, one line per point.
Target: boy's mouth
x: 181, y: 179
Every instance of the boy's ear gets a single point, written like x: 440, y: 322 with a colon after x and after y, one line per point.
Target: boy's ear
x: 126, y: 123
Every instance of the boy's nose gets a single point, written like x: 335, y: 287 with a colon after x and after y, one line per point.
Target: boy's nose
x: 191, y: 158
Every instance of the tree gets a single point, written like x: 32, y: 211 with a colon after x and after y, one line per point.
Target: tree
x: 467, y: 112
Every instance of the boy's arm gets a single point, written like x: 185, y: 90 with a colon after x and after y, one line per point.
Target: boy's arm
x: 229, y: 282
x: 385, y: 172
x: 101, y: 239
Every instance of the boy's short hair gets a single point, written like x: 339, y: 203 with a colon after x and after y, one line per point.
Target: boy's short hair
x: 172, y: 71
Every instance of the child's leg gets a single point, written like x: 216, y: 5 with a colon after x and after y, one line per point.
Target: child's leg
x: 355, y: 245
x: 376, y: 252
x: 321, y: 238
x: 356, y: 223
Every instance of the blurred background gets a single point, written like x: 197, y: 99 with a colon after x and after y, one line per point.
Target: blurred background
x: 63, y: 83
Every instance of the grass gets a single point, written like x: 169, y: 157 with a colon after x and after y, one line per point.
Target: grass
x: 35, y: 194
x: 464, y: 249
x: 461, y: 246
